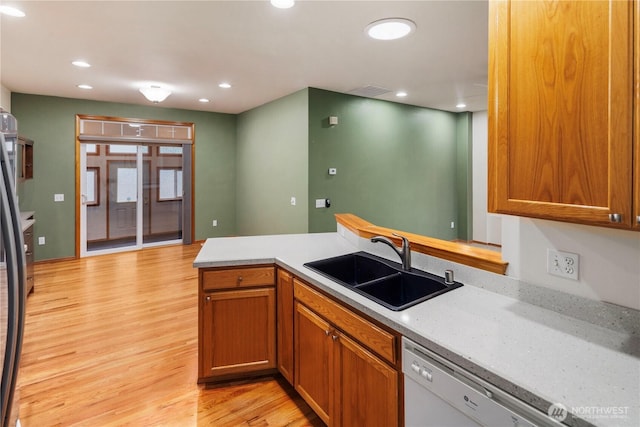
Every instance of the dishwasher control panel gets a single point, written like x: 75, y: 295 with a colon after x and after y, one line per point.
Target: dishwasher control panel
x: 456, y: 388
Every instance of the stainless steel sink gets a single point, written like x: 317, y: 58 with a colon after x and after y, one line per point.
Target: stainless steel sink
x: 382, y: 281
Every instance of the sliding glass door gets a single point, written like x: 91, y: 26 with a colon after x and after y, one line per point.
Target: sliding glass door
x: 131, y: 196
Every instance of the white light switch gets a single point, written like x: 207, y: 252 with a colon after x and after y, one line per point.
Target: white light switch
x: 41, y: 240
x: 58, y: 197
x: 293, y: 201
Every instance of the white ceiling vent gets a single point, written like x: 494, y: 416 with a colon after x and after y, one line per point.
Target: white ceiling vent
x: 369, y: 91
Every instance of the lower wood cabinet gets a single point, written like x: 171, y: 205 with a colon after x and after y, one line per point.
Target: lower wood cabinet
x: 253, y: 321
x: 284, y: 324
x: 345, y: 383
x: 237, y: 335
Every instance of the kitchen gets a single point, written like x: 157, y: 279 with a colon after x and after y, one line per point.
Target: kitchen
x: 608, y: 257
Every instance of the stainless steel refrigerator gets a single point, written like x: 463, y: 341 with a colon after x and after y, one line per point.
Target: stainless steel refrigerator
x: 12, y: 272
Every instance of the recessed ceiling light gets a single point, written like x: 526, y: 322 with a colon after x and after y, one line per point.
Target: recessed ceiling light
x: 390, y: 29
x: 461, y: 105
x: 224, y: 85
x: 85, y: 86
x: 401, y: 94
x: 204, y: 100
x: 282, y: 4
x: 81, y: 64
x: 12, y: 11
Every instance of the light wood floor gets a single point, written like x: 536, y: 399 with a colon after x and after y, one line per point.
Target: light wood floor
x: 112, y: 340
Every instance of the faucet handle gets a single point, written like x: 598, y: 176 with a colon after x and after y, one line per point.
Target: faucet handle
x: 405, y: 241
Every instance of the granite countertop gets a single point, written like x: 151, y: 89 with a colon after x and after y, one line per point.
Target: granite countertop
x: 538, y: 355
x: 27, y: 219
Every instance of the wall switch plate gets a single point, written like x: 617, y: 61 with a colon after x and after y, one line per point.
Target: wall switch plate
x: 320, y: 203
x: 293, y: 201
x: 58, y: 197
x: 563, y: 264
x: 453, y: 224
x: 214, y: 223
x: 41, y: 240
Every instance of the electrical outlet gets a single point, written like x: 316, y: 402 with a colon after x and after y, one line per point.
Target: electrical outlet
x: 58, y: 197
x: 563, y: 264
x: 41, y: 240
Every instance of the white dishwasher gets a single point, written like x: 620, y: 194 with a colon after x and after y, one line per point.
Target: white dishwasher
x: 440, y: 393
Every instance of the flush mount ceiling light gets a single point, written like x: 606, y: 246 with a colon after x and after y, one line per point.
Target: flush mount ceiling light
x: 81, y: 64
x: 224, y: 85
x: 11, y: 11
x: 390, y: 29
x: 204, y: 100
x: 155, y: 93
x: 87, y: 87
x: 461, y: 105
x: 282, y: 4
x: 401, y: 94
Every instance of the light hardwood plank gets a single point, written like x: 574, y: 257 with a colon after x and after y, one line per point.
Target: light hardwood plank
x: 112, y: 340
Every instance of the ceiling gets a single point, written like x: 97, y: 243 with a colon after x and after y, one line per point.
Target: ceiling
x: 263, y: 52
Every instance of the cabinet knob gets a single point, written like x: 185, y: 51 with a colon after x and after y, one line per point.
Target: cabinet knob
x: 334, y: 337
x: 240, y: 279
x: 327, y: 332
x: 615, y: 217
x: 207, y: 298
x: 638, y: 219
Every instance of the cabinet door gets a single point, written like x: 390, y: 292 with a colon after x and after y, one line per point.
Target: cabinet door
x: 238, y: 332
x: 366, y: 390
x: 313, y: 361
x: 636, y: 107
x: 560, y: 110
x: 284, y: 305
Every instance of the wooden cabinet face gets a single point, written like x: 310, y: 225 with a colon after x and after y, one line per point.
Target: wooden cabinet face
x: 636, y: 126
x: 560, y: 110
x: 284, y: 329
x: 238, y: 332
x: 313, y: 362
x: 366, y: 389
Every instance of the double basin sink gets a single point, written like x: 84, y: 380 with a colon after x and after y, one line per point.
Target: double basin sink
x: 382, y: 281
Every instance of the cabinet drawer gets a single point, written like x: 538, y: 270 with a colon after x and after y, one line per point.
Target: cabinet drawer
x: 375, y: 338
x: 238, y: 278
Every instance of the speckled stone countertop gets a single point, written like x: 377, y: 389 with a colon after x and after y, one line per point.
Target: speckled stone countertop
x: 27, y: 219
x: 536, y: 354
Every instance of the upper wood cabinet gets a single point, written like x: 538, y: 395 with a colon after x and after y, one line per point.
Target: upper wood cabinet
x: 563, y: 97
x: 636, y: 125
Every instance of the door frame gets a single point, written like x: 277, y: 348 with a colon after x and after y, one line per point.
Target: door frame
x: 188, y: 230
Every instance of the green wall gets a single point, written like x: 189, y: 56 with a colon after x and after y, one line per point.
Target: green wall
x: 272, y: 167
x: 396, y: 164
x: 399, y: 166
x: 464, y: 138
x: 50, y: 122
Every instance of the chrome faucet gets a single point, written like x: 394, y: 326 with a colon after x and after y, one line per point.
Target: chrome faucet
x: 404, y: 253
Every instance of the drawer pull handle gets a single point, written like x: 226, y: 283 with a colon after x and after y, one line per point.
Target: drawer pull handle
x: 615, y: 217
